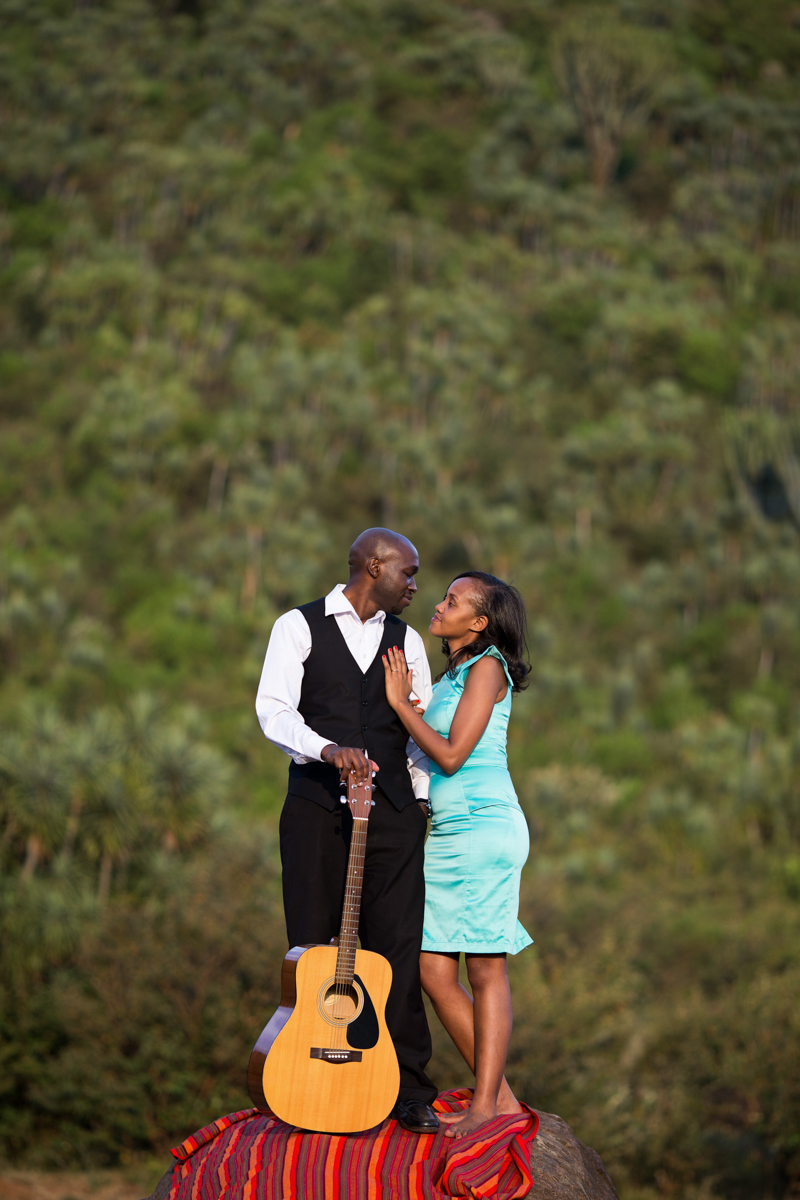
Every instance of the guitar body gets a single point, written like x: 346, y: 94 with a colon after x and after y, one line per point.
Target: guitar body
x: 325, y: 1061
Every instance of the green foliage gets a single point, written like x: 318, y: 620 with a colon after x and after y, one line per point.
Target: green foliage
x: 611, y: 70
x: 523, y: 282
x: 134, y: 1028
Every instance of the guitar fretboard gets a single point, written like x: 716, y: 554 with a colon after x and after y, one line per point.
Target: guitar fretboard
x: 348, y: 934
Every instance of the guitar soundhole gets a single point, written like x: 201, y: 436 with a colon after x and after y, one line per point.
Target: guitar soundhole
x: 340, y: 1006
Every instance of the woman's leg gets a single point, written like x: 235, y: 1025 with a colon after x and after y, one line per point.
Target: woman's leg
x: 455, y: 1009
x: 451, y: 1001
x: 492, y: 1024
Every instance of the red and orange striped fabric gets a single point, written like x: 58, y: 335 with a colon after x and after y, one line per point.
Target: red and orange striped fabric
x: 250, y: 1156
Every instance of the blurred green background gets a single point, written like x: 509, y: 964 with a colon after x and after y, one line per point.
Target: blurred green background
x: 521, y: 280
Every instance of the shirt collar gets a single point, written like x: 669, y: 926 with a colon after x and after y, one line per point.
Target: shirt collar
x: 336, y: 603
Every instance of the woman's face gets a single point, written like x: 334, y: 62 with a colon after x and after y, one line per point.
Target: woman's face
x: 455, y: 617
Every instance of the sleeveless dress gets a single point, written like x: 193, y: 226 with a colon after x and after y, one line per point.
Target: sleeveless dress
x: 479, y: 842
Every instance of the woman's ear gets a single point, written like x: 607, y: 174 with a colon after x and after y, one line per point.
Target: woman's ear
x: 479, y: 624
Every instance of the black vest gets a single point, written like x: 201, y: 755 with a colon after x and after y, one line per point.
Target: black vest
x: 347, y: 707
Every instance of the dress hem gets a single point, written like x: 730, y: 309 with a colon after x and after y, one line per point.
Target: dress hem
x: 465, y: 947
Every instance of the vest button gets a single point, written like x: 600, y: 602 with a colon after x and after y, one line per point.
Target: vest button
x: 365, y: 703
x: 366, y: 679
x: 365, y: 727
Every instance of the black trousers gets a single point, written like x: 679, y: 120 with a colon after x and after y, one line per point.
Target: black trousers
x: 314, y: 847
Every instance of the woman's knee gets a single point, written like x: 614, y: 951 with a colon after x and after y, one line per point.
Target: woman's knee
x: 486, y: 971
x: 438, y: 973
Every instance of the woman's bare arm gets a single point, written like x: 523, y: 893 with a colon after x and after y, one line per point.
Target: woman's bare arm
x: 486, y: 683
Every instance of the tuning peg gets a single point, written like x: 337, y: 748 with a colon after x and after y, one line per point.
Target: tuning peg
x: 372, y: 802
x: 343, y: 799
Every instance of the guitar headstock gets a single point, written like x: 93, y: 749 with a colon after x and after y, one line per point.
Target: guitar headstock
x: 358, y: 797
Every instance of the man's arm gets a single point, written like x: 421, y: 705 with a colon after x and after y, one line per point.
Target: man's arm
x: 279, y: 690
x: 279, y: 696
x: 418, y: 764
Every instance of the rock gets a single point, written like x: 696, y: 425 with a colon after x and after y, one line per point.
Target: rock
x: 565, y: 1169
x: 163, y: 1187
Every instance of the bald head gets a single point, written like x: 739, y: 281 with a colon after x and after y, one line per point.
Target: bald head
x: 382, y: 569
x: 377, y: 543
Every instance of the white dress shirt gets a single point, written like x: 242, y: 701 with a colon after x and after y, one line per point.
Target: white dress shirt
x: 282, y: 679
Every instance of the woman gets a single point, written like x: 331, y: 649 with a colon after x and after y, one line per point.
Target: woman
x: 478, y: 842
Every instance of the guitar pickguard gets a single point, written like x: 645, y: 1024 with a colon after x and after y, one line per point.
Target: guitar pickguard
x: 363, y: 1032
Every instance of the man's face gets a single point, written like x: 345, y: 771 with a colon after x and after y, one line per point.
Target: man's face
x: 396, y: 582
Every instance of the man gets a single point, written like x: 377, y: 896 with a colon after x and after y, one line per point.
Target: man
x: 322, y: 700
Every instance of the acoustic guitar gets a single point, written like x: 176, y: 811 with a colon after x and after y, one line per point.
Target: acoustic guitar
x: 325, y: 1061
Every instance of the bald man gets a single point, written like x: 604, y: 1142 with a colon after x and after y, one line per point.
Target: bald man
x: 322, y: 700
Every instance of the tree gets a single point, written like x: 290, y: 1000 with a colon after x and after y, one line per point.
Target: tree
x: 38, y: 773
x: 610, y: 72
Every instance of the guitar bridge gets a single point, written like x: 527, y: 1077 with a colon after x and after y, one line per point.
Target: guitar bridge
x: 335, y: 1056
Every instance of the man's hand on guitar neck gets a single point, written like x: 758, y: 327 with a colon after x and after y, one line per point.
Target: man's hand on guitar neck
x: 349, y: 759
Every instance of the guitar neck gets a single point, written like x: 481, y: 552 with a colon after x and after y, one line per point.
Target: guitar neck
x: 348, y: 934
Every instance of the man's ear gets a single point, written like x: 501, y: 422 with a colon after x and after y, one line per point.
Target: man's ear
x: 374, y: 567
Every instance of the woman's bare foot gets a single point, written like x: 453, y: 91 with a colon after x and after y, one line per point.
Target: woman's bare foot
x: 507, y: 1106
x: 470, y: 1120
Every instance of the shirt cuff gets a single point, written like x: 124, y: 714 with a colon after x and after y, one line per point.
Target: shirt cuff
x: 313, y: 745
x: 420, y: 778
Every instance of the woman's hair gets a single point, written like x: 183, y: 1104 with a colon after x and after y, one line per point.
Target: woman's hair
x: 507, y: 627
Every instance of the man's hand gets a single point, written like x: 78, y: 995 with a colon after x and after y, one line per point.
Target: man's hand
x: 349, y: 759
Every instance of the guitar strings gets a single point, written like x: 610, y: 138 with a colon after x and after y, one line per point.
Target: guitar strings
x: 338, y: 990
x: 346, y: 954
x: 351, y: 907
x: 339, y: 1009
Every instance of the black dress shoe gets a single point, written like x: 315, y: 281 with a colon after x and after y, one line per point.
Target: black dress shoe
x: 416, y: 1116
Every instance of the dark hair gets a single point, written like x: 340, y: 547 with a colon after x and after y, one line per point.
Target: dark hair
x: 507, y: 627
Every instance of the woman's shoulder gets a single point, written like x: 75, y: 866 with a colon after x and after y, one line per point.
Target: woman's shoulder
x: 491, y: 652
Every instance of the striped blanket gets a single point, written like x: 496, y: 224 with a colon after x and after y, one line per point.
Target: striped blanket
x: 251, y: 1156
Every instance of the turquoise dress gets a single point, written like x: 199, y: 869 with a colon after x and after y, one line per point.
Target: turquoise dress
x: 478, y: 843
